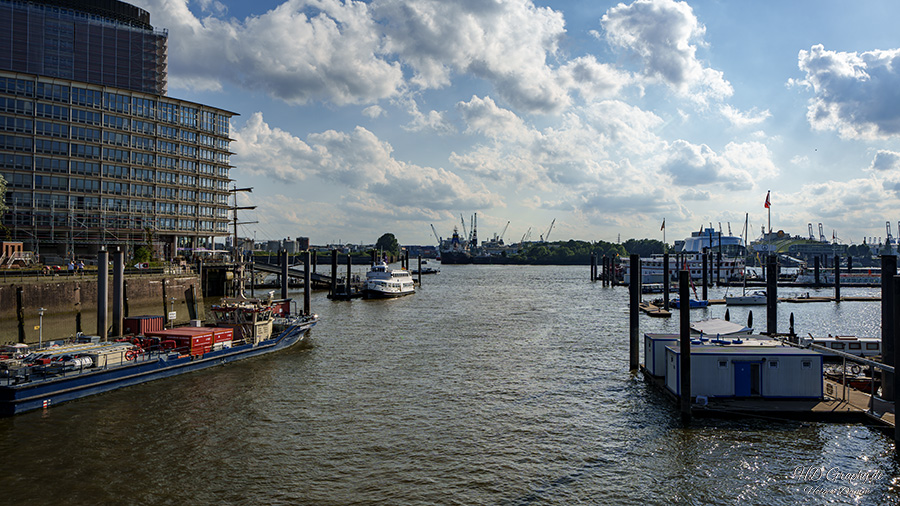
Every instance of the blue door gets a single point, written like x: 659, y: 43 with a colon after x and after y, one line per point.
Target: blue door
x: 742, y: 379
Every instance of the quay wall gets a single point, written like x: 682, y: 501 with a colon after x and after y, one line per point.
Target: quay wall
x: 67, y: 299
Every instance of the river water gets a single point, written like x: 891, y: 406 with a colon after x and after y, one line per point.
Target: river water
x: 492, y: 385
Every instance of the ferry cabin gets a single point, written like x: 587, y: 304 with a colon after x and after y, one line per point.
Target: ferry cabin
x: 652, y: 268
x: 766, y: 372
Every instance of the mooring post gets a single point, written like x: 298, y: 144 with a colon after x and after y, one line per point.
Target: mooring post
x: 793, y: 337
x: 373, y: 256
x: 605, y: 266
x: 349, y: 263
x: 635, y: 283
x: 719, y: 262
x: 816, y: 262
x: 77, y: 308
x: 837, y: 278
x: 666, y: 280
x: 772, y: 296
x: 685, y: 303
x: 593, y: 265
x: 102, y: 297
x: 849, y: 263
x: 284, y: 273
x: 307, y: 282
x: 895, y: 381
x: 315, y: 261
x: 118, y: 279
x: 888, y: 343
x: 685, y: 347
x: 20, y: 312
x: 419, y: 260
x: 334, y: 258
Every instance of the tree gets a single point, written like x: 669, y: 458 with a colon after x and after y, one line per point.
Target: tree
x: 388, y: 244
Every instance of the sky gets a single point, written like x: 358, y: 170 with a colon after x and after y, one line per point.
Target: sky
x: 359, y: 118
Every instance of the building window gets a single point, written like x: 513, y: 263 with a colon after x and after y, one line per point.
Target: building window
x: 723, y: 364
x: 773, y: 364
x: 807, y: 364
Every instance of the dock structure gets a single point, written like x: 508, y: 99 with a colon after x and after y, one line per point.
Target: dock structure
x: 654, y: 310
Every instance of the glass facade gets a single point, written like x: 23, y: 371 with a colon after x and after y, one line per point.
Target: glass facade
x: 89, y: 166
x: 98, y: 45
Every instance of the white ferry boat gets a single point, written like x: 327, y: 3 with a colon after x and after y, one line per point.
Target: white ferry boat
x: 857, y: 276
x: 382, y: 281
x: 652, y: 268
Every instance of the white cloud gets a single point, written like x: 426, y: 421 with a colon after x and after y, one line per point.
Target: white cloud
x: 374, y: 111
x: 885, y: 161
x: 744, y: 119
x: 593, y: 80
x: 664, y: 35
x: 856, y: 94
x: 357, y: 160
x: 736, y: 168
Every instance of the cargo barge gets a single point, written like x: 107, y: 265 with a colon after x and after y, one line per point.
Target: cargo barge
x: 59, y: 371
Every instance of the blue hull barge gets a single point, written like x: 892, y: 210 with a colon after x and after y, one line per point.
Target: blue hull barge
x: 34, y: 378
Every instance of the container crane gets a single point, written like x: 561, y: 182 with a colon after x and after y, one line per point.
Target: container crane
x: 889, y: 237
x: 526, y: 235
x: 822, y: 234
x: 812, y: 236
x: 463, y: 220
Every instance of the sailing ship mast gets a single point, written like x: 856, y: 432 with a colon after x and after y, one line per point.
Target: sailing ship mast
x: 238, y: 255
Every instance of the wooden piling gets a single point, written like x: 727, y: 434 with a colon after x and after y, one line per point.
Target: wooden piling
x: 77, y: 296
x: 888, y: 343
x: 20, y: 312
x: 685, y: 347
x: 665, y: 281
x: 349, y: 263
x: 284, y: 273
x: 685, y: 303
x: 307, y: 282
x: 117, y: 297
x: 593, y: 267
x: 895, y: 381
x: 334, y: 261
x: 635, y: 284
x: 816, y: 262
x: 772, y: 296
x: 419, y: 259
x: 102, y: 298
x: 837, y: 279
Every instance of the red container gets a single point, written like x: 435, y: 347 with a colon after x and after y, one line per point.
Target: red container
x: 194, y: 340
x: 141, y: 325
x: 221, y: 334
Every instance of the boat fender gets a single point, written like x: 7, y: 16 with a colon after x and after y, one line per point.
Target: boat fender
x: 130, y: 354
x: 855, y: 369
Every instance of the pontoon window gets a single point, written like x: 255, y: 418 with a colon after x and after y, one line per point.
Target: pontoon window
x: 837, y: 346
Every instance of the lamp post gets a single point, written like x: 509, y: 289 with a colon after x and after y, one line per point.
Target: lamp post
x: 171, y: 310
x: 41, y: 328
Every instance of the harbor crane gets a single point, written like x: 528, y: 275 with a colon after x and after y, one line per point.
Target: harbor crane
x: 500, y: 239
x: 463, y: 220
x: 526, y: 235
x: 822, y: 234
x: 812, y: 236
x: 433, y: 231
x: 889, y: 237
x: 545, y: 238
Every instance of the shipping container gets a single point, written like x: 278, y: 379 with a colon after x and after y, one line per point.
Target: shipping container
x: 191, y: 340
x: 141, y: 325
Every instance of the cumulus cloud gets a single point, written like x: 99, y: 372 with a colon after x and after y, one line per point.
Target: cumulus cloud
x: 742, y: 119
x: 664, y: 36
x: 885, y: 161
x: 591, y: 79
x: 737, y: 167
x: 351, y: 51
x: 357, y: 160
x: 856, y: 94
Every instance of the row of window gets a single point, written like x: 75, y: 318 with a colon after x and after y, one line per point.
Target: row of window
x: 82, y: 185
x: 20, y: 201
x: 50, y: 129
x: 88, y: 221
x: 143, y: 107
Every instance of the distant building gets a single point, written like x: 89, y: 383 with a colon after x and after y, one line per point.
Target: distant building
x: 93, y: 151
x: 303, y: 243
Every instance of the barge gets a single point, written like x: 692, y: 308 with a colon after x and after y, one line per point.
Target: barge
x: 40, y: 376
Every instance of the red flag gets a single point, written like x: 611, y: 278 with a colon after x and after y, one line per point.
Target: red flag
x: 768, y: 204
x: 663, y: 227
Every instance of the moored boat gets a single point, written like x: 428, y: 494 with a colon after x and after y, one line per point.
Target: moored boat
x: 37, y: 377
x: 383, y: 282
x: 757, y: 297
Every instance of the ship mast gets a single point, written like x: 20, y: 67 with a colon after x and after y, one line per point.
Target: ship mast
x: 239, y: 256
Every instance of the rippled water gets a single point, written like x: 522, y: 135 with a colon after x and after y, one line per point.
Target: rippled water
x: 492, y: 385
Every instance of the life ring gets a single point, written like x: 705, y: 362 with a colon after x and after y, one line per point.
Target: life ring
x: 130, y: 355
x: 855, y: 369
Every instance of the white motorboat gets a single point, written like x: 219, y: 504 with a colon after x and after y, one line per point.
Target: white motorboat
x: 719, y: 327
x: 382, y: 281
x: 757, y: 297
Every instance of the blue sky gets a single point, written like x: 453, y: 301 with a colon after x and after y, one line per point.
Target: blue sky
x: 360, y: 118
